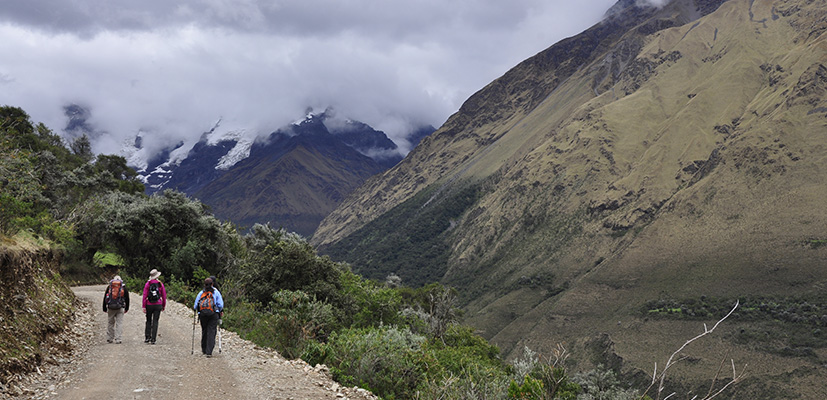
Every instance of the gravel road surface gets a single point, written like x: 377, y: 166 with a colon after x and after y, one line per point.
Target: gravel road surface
x: 95, y: 369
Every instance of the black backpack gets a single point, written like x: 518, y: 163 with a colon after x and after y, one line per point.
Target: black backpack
x: 154, y: 292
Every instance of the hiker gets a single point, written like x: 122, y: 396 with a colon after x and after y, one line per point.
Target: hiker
x: 116, y: 304
x: 210, y: 307
x: 154, y: 301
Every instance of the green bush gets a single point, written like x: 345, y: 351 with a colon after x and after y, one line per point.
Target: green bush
x: 180, y: 291
x: 367, y: 303
x: 290, y: 323
x: 388, y: 361
x: 473, y: 382
x: 602, y: 384
x: 277, y: 259
x: 168, y: 230
x: 460, y: 349
x: 530, y: 388
x: 464, y: 366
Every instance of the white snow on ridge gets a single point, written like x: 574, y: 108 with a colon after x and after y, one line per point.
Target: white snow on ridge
x: 240, y: 151
x: 134, y: 156
x: 243, y: 139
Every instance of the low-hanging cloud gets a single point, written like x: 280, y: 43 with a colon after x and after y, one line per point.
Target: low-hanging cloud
x: 171, y: 69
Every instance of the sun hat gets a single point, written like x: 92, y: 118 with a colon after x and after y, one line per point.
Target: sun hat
x: 117, y: 278
x: 154, y: 274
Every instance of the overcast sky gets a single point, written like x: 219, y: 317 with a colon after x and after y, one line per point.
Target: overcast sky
x: 173, y: 67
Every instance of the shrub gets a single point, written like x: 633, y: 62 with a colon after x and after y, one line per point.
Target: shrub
x: 460, y: 349
x: 602, y: 384
x: 388, y: 361
x: 180, y: 291
x: 290, y: 323
x: 476, y: 382
x: 538, y: 377
x: 530, y: 388
x: 277, y: 259
x: 366, y: 303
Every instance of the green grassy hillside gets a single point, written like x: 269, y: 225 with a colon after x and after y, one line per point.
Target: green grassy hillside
x: 671, y: 164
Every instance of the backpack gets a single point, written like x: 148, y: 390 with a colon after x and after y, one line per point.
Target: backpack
x: 154, y: 292
x: 206, y: 304
x: 114, y: 300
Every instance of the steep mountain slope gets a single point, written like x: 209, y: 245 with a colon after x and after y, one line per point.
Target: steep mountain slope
x: 292, y: 180
x: 666, y: 153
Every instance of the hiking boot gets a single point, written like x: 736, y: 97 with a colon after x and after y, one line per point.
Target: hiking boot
x: 152, y: 342
x: 108, y: 340
x: 146, y: 340
x: 118, y: 342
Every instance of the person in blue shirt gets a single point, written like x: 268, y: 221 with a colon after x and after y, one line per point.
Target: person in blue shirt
x: 210, y: 308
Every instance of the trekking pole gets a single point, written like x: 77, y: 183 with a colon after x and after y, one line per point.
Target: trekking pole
x: 219, y: 336
x: 194, y: 316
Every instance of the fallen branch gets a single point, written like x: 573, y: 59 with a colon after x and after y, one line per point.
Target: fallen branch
x: 660, y: 378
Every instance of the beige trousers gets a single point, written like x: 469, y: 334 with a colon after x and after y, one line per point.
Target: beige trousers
x: 115, y: 326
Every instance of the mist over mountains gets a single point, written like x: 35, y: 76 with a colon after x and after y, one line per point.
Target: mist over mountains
x: 290, y: 178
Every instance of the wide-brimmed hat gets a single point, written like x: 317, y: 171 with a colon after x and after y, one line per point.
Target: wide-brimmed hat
x: 117, y: 278
x: 154, y: 274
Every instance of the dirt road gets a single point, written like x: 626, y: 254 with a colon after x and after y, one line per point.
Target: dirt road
x: 168, y: 370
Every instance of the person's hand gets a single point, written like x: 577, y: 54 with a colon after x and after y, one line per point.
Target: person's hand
x: 144, y: 310
x: 124, y: 311
x: 163, y: 308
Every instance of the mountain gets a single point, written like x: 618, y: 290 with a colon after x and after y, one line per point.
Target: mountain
x: 622, y: 187
x: 291, y: 178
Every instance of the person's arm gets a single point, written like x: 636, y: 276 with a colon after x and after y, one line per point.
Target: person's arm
x: 105, y: 295
x: 163, y: 297
x: 126, y: 299
x: 219, y: 301
x: 198, y: 296
x: 143, y: 297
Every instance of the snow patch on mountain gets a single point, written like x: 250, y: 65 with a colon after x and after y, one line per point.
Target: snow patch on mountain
x: 240, y: 151
x: 243, y: 139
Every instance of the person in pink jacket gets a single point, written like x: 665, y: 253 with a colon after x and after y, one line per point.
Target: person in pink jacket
x: 155, y: 301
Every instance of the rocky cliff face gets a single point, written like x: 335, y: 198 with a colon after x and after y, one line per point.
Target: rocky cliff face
x: 665, y: 152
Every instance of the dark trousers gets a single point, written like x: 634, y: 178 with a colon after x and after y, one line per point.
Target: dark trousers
x: 209, y: 326
x: 153, y: 313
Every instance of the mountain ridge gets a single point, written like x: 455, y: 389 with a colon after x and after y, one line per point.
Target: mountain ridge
x: 525, y: 77
x: 219, y: 168
x: 682, y: 161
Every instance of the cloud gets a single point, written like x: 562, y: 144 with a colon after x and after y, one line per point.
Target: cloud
x: 172, y: 68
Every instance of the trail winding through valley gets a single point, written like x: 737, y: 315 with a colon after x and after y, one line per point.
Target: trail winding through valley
x: 168, y: 370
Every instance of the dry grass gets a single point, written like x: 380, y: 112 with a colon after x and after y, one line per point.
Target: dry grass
x: 706, y: 179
